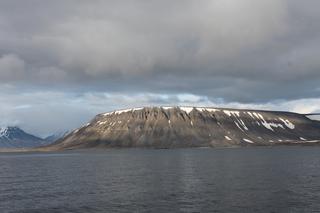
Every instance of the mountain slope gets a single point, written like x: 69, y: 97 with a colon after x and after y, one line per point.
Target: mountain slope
x: 56, y: 136
x: 167, y: 127
x: 14, y: 137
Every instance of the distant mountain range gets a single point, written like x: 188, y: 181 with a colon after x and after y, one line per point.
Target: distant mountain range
x: 55, y: 136
x: 14, y: 137
x: 171, y: 127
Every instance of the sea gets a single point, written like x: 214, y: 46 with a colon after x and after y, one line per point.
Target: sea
x: 249, y: 179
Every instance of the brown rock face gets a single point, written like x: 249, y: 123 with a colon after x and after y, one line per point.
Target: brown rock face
x: 172, y: 127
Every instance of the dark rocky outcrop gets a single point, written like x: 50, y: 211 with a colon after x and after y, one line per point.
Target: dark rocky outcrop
x: 172, y: 127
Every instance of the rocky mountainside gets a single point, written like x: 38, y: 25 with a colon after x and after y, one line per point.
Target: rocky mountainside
x: 14, y: 137
x: 170, y: 127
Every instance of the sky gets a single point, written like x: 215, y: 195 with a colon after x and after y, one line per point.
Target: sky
x: 64, y: 61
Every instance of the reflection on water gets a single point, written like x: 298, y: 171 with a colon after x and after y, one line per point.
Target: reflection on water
x: 262, y: 179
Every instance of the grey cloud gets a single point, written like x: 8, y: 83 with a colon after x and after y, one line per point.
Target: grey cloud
x: 133, y: 36
x: 11, y: 68
x: 220, y: 51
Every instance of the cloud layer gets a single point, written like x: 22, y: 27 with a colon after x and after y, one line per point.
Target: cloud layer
x: 246, y: 52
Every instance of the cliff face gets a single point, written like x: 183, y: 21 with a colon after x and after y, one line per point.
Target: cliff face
x: 170, y: 127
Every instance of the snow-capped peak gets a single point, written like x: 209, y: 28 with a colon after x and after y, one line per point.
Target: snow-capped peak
x: 14, y: 137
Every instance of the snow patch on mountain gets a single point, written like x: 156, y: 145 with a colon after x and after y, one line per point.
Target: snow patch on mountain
x: 287, y: 123
x: 230, y: 113
x: 228, y: 138
x: 247, y: 140
x: 3, y: 132
x: 117, y: 112
x: 186, y: 109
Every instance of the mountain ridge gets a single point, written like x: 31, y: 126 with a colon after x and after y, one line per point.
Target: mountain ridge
x: 171, y: 127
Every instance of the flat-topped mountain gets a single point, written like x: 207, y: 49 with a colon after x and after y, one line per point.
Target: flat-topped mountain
x: 14, y: 137
x: 170, y: 127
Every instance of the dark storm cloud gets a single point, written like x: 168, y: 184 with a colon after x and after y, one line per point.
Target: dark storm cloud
x: 244, y: 50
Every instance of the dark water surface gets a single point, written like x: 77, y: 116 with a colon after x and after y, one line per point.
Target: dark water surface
x: 261, y: 179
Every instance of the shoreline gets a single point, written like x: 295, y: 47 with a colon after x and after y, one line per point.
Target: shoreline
x: 44, y: 150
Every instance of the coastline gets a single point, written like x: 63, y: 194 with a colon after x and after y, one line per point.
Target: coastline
x: 46, y: 149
